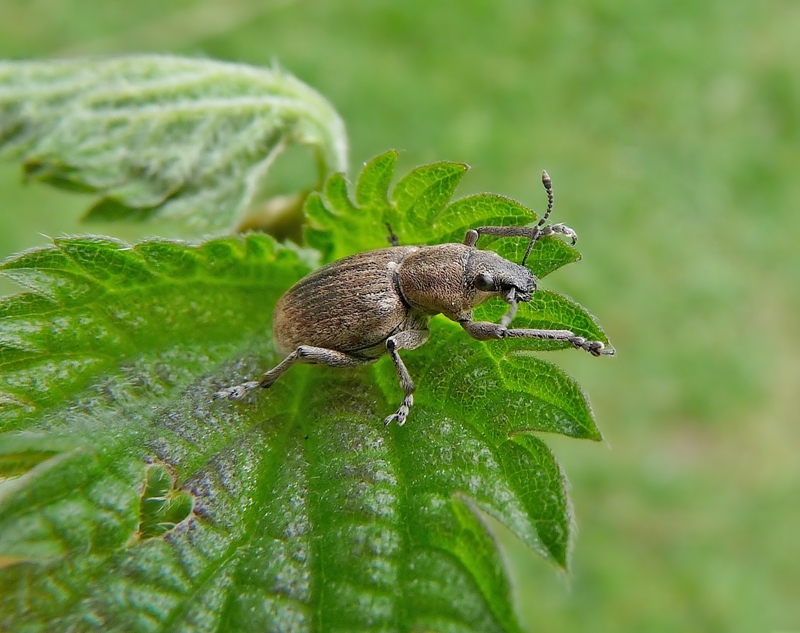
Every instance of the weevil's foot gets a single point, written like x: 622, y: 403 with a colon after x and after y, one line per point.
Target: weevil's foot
x: 231, y: 393
x: 595, y: 348
x: 399, y: 417
x: 236, y: 393
x: 563, y: 230
x: 402, y: 413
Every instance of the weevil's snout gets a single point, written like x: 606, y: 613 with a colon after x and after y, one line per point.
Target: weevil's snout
x: 525, y: 286
x: 494, y: 274
x: 520, y: 279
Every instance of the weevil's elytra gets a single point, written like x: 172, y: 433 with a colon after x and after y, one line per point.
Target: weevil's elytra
x: 352, y: 311
x: 351, y: 305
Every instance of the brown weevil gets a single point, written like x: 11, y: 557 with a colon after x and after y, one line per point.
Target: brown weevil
x: 352, y: 311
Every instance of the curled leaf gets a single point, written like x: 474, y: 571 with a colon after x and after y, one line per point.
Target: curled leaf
x: 161, y: 136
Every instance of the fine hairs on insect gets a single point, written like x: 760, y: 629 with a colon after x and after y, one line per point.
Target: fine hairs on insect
x: 354, y: 310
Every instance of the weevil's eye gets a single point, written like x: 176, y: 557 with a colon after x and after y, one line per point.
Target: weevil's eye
x: 485, y: 283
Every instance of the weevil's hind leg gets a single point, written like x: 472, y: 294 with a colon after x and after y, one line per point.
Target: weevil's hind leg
x: 410, y: 339
x: 303, y: 354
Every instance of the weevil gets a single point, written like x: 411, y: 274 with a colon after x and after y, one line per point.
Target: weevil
x: 354, y: 310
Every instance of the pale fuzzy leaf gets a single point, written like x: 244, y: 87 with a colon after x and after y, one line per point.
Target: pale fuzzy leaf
x: 161, y: 136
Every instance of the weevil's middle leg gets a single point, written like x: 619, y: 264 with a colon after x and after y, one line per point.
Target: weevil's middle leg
x: 303, y: 354
x: 406, y: 384
x: 408, y: 339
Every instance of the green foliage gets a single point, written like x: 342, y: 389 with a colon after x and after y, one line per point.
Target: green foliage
x: 161, y: 137
x: 672, y: 133
x: 131, y: 501
x: 162, y: 507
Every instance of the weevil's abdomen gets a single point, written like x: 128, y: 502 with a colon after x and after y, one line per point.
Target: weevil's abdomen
x: 351, y: 305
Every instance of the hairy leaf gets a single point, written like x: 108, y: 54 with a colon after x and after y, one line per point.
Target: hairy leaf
x: 129, y: 500
x: 161, y: 136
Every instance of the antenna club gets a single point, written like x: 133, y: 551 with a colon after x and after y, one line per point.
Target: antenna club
x: 546, y: 180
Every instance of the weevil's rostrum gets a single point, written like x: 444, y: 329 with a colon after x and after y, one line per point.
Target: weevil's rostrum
x: 354, y: 310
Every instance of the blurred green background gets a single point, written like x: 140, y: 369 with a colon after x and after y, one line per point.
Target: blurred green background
x: 672, y: 133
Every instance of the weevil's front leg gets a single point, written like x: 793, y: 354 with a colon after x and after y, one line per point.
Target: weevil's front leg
x: 472, y: 235
x: 552, y: 229
x: 404, y: 340
x: 533, y: 233
x: 484, y: 331
x: 303, y: 354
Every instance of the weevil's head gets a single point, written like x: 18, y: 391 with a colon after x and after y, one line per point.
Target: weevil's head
x: 491, y: 274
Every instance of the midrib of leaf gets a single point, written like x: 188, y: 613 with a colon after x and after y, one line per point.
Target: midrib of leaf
x: 322, y: 459
x: 236, y: 549
x: 271, y: 470
x: 332, y: 476
x: 290, y: 433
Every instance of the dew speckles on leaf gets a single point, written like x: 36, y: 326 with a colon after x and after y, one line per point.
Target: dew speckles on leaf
x: 49, y: 375
x: 375, y: 539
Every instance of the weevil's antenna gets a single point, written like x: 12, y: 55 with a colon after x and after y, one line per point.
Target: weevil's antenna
x: 537, y: 233
x: 548, y: 187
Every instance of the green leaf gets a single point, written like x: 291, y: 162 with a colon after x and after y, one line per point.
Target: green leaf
x: 419, y: 197
x: 129, y: 500
x: 161, y: 507
x: 420, y: 212
x: 102, y: 303
x: 336, y: 226
x: 161, y: 136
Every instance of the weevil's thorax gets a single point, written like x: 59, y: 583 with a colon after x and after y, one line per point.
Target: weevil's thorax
x: 441, y: 279
x: 431, y: 279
